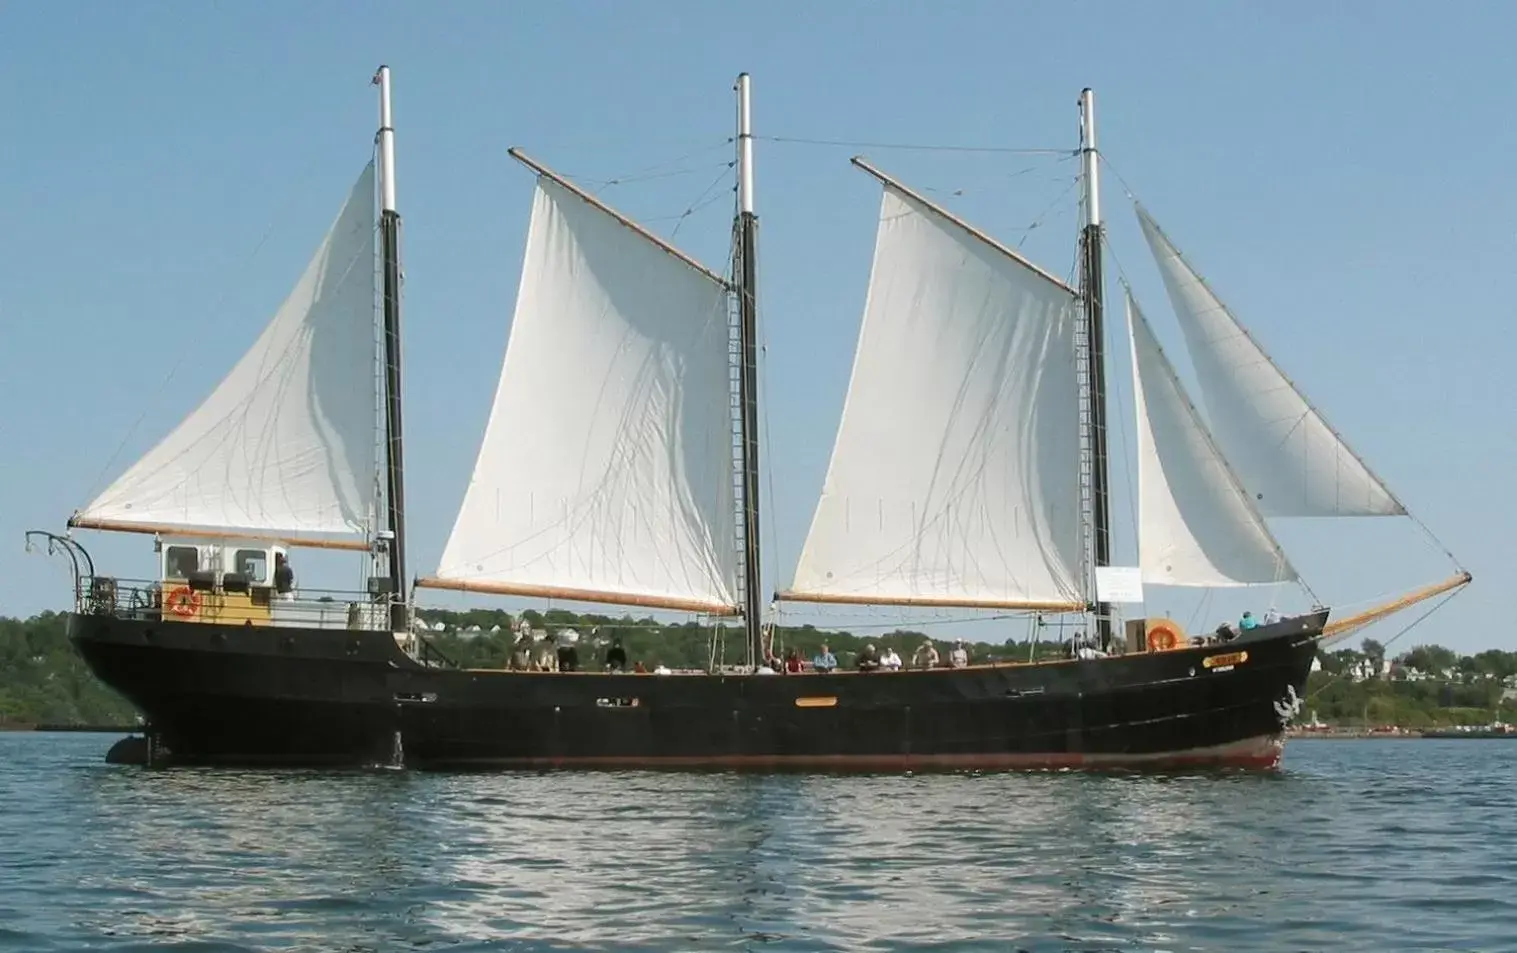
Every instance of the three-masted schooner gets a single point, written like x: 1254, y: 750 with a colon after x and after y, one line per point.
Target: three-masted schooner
x: 969, y: 470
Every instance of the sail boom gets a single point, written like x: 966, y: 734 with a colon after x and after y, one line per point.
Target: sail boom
x: 169, y: 529
x: 547, y: 173
x: 979, y: 235
x: 929, y: 602
x: 647, y: 601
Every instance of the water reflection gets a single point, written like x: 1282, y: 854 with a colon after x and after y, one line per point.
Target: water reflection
x: 1343, y: 851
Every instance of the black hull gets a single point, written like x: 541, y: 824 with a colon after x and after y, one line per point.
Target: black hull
x: 260, y: 695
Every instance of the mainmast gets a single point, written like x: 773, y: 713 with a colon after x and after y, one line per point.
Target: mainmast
x: 389, y: 234
x: 747, y: 281
x: 1093, y: 290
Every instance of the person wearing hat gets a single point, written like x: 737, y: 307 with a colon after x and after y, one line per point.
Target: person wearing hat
x: 959, y: 657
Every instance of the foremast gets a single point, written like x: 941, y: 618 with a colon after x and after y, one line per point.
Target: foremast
x: 1092, y: 291
x: 389, y: 233
x: 745, y: 261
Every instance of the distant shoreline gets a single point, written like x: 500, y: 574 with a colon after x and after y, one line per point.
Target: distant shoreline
x: 101, y: 729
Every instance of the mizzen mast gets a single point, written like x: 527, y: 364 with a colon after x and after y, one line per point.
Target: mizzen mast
x: 1092, y: 290
x: 747, y: 288
x: 389, y: 234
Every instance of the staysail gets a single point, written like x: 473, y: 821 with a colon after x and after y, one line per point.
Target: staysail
x: 1282, y: 448
x: 285, y: 447
x: 954, y: 475
x: 606, y: 470
x: 1196, y: 524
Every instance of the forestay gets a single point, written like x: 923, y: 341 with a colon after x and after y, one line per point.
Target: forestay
x: 1196, y: 525
x: 606, y: 468
x: 286, y: 445
x: 954, y: 478
x: 1281, y: 447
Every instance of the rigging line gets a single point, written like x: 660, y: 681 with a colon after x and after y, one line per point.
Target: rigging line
x: 604, y: 184
x: 184, y: 352
x: 655, y: 170
x: 659, y: 169
x: 920, y: 147
x: 702, y: 200
x: 1407, y: 628
x: 1037, y: 221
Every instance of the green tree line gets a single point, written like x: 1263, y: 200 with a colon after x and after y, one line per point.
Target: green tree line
x: 43, y: 680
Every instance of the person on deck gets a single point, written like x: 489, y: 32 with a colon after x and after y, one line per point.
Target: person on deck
x: 1248, y: 622
x: 1226, y: 631
x: 521, y: 652
x: 793, y: 663
x: 825, y: 661
x: 869, y: 659
x: 547, y: 657
x: 926, y: 655
x: 568, y: 658
x: 284, y: 577
x: 616, y: 657
x: 1272, y: 616
x: 890, y: 661
x: 959, y: 657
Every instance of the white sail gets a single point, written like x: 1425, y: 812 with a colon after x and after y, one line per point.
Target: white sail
x: 954, y: 478
x: 606, y: 470
x: 1196, y: 524
x: 286, y: 445
x: 1286, y: 454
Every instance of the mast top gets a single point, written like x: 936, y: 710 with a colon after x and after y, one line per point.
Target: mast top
x: 1089, y: 156
x: 386, y: 139
x: 744, y: 147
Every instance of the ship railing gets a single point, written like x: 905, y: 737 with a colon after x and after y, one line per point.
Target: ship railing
x: 144, y: 599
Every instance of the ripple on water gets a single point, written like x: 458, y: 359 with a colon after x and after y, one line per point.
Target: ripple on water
x: 1356, y: 846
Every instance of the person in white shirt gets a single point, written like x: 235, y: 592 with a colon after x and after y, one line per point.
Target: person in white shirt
x: 891, y: 661
x: 1272, y: 616
x: 959, y: 657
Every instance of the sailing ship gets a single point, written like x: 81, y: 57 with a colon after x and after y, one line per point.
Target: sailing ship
x: 969, y: 470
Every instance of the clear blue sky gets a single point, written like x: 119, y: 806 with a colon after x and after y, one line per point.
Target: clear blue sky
x: 1338, y: 171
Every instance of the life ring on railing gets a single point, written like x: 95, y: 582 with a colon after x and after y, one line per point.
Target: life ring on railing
x: 183, y: 602
x: 1161, y: 638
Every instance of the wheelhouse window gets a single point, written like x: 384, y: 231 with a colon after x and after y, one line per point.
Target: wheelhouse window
x: 179, y: 562
x: 253, y: 564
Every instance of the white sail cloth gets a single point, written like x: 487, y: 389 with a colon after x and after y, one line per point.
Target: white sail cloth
x: 954, y: 475
x: 286, y: 444
x: 1196, y: 523
x: 606, y: 468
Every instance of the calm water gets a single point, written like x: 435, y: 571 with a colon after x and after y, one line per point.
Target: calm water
x: 1355, y: 846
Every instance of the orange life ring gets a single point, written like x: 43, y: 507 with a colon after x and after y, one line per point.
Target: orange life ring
x: 1161, y: 638
x: 184, y: 602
